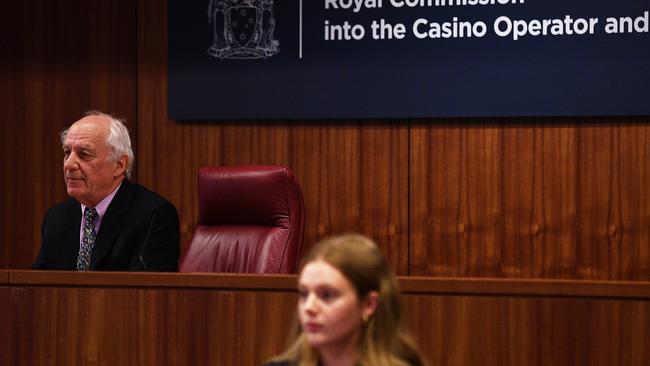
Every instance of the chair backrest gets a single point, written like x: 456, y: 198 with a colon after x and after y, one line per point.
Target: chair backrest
x: 251, y: 220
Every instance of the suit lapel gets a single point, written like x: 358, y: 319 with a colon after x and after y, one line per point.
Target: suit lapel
x: 70, y: 250
x: 110, y: 228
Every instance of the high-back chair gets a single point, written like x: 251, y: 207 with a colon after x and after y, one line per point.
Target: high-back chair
x: 251, y: 220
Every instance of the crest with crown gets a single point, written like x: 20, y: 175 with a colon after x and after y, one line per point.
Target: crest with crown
x: 242, y: 29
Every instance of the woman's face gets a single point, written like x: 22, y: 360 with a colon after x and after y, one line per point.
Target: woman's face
x: 329, y: 309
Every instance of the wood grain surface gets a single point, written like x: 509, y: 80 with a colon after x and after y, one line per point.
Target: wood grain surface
x: 531, y: 201
x: 493, y: 330
x: 151, y: 319
x: 5, y: 322
x: 148, y: 326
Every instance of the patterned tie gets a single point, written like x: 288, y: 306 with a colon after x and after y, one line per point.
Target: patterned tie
x: 88, y: 240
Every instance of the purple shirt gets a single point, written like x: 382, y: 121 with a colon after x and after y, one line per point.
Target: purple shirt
x: 101, y: 208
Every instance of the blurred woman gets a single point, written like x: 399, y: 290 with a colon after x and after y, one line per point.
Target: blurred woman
x: 349, y: 310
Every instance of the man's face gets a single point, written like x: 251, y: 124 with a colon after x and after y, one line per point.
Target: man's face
x: 88, y: 168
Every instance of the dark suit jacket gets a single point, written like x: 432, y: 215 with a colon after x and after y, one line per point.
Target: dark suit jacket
x: 120, y: 243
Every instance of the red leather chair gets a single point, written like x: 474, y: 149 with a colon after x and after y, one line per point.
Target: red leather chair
x: 251, y: 220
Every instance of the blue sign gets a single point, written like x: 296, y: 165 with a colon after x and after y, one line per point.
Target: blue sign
x: 289, y: 59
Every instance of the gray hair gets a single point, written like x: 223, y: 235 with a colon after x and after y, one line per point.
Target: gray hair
x: 118, y: 138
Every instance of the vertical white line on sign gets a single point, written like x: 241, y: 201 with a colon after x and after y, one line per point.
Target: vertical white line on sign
x: 300, y: 33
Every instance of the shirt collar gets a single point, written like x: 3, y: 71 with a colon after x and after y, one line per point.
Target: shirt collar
x: 102, y: 206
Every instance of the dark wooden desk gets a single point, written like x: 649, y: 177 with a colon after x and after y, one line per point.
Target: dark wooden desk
x: 69, y: 318
x: 4, y: 317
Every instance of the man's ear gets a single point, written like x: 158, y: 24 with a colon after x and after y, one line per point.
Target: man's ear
x: 369, y: 305
x: 120, y: 166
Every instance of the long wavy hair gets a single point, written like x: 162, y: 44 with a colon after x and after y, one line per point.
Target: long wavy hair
x: 384, y: 340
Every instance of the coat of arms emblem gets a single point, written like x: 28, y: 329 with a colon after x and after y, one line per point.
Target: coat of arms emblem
x: 242, y: 29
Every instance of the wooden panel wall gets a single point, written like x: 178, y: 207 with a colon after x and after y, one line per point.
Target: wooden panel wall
x: 532, y: 201
x: 531, y: 198
x: 519, y: 197
x: 354, y: 174
x: 58, y: 59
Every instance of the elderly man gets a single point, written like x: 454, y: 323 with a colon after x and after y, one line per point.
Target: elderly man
x: 108, y: 223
